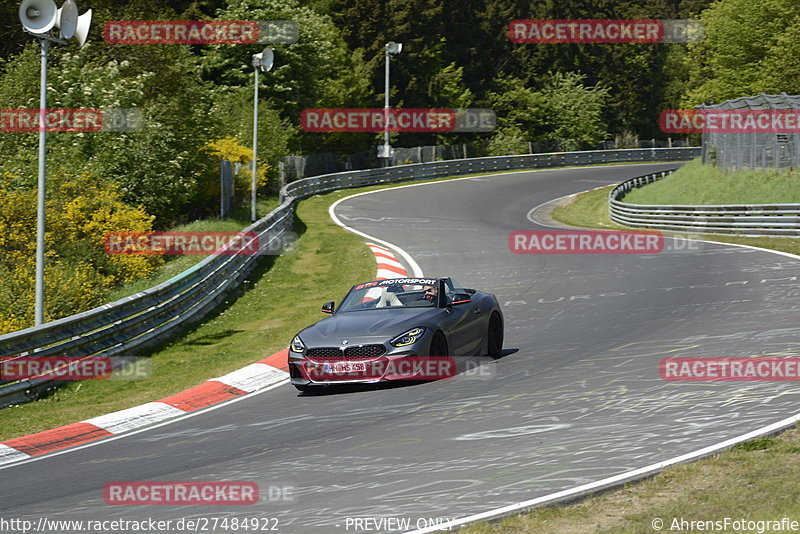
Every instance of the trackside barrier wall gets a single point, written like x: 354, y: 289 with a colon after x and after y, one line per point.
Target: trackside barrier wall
x: 128, y: 326
x: 755, y: 220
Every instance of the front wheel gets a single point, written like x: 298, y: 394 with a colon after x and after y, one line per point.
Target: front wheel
x: 438, y: 345
x: 495, y: 335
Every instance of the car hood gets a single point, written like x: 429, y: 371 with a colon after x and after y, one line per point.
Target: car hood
x: 367, y: 326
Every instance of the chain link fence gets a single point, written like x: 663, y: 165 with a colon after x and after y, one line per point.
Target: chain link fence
x: 753, y: 150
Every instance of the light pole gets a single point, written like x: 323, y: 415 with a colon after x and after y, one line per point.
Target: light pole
x: 39, y: 17
x: 385, y: 152
x: 261, y: 61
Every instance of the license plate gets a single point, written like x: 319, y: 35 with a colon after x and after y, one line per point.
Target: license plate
x: 344, y: 367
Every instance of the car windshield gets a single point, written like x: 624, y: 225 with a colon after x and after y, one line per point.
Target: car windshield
x: 392, y: 293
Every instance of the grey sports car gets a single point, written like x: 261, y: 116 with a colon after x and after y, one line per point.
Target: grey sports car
x: 396, y: 329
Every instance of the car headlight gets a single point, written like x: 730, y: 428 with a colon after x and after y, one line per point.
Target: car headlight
x: 408, y: 338
x: 297, y: 345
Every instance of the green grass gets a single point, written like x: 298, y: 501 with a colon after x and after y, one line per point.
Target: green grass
x: 695, y: 183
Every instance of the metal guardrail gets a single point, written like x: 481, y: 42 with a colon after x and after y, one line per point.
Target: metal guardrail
x: 152, y: 316
x: 439, y: 169
x: 141, y: 320
x: 755, y: 219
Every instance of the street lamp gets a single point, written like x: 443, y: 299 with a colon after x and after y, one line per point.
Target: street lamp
x: 39, y: 18
x: 385, y: 151
x: 262, y: 61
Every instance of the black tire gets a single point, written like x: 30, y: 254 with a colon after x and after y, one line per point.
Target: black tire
x: 307, y: 388
x: 438, y: 345
x: 495, y: 335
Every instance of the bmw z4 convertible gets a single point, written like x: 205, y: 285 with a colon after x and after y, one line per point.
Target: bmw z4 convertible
x: 396, y: 329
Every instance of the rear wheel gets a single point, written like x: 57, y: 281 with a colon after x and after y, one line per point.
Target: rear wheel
x: 307, y: 389
x: 495, y: 335
x: 438, y: 345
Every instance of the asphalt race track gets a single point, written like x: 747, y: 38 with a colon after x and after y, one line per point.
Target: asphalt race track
x: 575, y: 398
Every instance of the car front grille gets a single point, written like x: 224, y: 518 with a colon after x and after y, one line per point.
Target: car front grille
x: 364, y: 351
x: 324, y: 353
x: 329, y: 354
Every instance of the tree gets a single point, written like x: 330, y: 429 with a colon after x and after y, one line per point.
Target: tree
x: 574, y: 111
x: 564, y: 110
x: 747, y: 50
x: 319, y: 71
x: 159, y: 165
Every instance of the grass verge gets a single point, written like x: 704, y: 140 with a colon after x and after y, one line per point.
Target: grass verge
x: 285, y: 296
x: 695, y: 183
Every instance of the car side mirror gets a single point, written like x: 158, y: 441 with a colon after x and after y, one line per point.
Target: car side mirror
x: 460, y: 298
x: 328, y: 307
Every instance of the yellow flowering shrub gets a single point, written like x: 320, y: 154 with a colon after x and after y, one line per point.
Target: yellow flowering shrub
x: 229, y: 148
x: 80, y: 211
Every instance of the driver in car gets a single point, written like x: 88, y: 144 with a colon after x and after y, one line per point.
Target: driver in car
x: 430, y: 293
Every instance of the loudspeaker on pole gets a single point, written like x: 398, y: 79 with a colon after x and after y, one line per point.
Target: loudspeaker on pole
x: 38, y: 16
x: 67, y: 19
x: 82, y: 31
